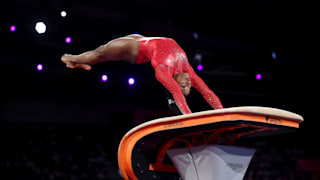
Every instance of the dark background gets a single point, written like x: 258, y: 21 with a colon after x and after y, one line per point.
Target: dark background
x: 67, y: 124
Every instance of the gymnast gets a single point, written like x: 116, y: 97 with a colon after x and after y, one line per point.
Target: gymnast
x: 167, y: 58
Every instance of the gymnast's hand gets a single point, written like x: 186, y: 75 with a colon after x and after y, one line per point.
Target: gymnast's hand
x: 78, y: 61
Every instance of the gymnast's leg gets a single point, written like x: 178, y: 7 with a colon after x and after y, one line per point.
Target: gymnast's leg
x: 124, y: 48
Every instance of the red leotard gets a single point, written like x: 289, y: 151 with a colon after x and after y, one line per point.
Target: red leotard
x: 168, y: 59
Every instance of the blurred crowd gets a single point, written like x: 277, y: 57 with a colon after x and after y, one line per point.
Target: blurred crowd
x: 56, y: 153
x: 274, y: 163
x: 47, y: 152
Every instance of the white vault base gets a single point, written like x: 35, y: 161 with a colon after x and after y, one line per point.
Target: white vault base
x: 211, y: 162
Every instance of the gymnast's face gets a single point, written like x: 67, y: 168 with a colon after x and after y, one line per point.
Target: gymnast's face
x: 183, y: 79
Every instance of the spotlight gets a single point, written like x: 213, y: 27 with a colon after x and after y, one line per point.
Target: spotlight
x: 104, y: 78
x: 195, y: 36
x: 40, y: 27
x: 39, y: 67
x: 200, y: 67
x: 13, y: 28
x: 68, y: 40
x: 197, y: 57
x: 274, y: 55
x: 131, y: 81
x: 63, y: 13
x: 258, y: 76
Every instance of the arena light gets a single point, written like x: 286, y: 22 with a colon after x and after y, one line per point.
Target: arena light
x: 195, y: 36
x: 200, y: 67
x: 63, y: 13
x: 40, y: 27
x: 104, y: 78
x: 274, y: 55
x: 258, y: 76
x: 68, y: 40
x: 13, y: 28
x: 39, y: 67
x: 131, y: 81
x: 198, y: 57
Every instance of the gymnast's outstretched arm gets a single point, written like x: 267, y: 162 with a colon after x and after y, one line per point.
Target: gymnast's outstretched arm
x: 211, y: 98
x: 167, y: 80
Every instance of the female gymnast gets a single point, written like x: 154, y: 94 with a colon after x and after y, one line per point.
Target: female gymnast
x: 167, y: 58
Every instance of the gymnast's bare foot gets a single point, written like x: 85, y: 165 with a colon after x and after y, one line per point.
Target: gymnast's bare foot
x: 77, y: 61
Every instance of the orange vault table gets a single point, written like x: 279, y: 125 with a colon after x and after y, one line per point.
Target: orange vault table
x: 142, y: 152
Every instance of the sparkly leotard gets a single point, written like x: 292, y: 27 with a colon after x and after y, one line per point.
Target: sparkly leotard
x: 168, y: 59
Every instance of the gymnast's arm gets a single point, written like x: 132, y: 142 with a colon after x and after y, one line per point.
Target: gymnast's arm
x: 211, y: 98
x: 166, y: 79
